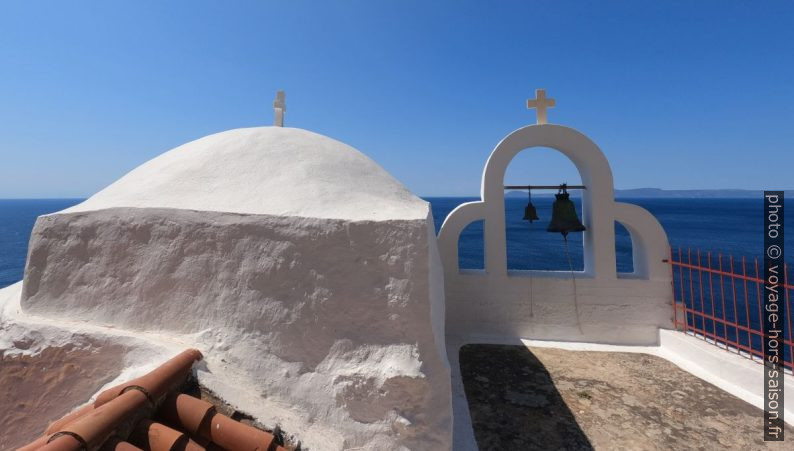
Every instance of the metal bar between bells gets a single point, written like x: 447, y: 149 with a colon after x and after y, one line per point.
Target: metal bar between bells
x: 544, y: 187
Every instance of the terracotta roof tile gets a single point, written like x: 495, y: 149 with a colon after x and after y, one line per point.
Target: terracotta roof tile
x: 117, y: 444
x: 202, y: 420
x: 122, y: 413
x: 158, y: 382
x: 154, y: 436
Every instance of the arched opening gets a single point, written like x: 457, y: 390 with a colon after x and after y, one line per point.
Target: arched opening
x: 471, y: 246
x: 624, y: 252
x: 529, y: 245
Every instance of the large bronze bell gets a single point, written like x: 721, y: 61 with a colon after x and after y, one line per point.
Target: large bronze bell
x: 563, y: 214
x: 530, y: 214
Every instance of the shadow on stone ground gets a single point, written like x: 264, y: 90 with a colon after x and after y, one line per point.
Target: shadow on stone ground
x: 544, y: 398
x: 513, y: 402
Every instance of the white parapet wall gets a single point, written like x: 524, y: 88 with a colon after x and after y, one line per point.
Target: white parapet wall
x: 603, y: 306
x: 619, y: 311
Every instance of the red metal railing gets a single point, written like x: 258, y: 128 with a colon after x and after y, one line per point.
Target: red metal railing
x: 708, y: 304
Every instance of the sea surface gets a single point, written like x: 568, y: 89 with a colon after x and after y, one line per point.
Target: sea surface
x: 727, y: 226
x: 16, y: 222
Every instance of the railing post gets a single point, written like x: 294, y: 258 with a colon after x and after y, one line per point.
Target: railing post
x: 786, y: 288
x: 691, y: 291
x: 711, y: 298
x: 672, y: 287
x: 758, y: 289
x: 747, y: 306
x: 735, y: 308
x: 722, y: 299
x: 700, y: 289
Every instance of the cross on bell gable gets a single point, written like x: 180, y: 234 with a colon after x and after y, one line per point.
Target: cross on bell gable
x: 541, y: 103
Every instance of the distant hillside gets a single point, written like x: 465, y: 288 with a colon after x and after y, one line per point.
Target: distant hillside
x: 669, y: 193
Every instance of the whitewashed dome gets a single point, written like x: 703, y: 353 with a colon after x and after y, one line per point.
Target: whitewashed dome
x: 264, y: 170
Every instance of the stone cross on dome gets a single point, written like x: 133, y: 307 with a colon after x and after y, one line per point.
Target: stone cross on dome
x: 541, y: 103
x: 279, y: 108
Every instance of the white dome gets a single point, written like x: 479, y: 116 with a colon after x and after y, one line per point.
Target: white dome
x: 264, y: 170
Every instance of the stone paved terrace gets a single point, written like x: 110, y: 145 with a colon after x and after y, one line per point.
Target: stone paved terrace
x: 542, y: 398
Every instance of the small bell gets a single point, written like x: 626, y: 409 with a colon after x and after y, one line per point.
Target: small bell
x: 563, y: 214
x: 530, y: 214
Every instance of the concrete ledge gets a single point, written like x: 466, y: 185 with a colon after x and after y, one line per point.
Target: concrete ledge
x: 733, y: 373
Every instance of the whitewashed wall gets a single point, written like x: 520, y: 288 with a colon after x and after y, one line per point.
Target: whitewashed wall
x: 613, y: 308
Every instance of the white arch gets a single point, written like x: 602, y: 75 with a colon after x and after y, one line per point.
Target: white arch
x: 600, y: 211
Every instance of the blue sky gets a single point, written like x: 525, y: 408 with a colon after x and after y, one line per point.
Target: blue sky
x: 677, y: 94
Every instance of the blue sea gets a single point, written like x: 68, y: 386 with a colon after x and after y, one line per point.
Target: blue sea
x: 16, y: 222
x: 729, y: 226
